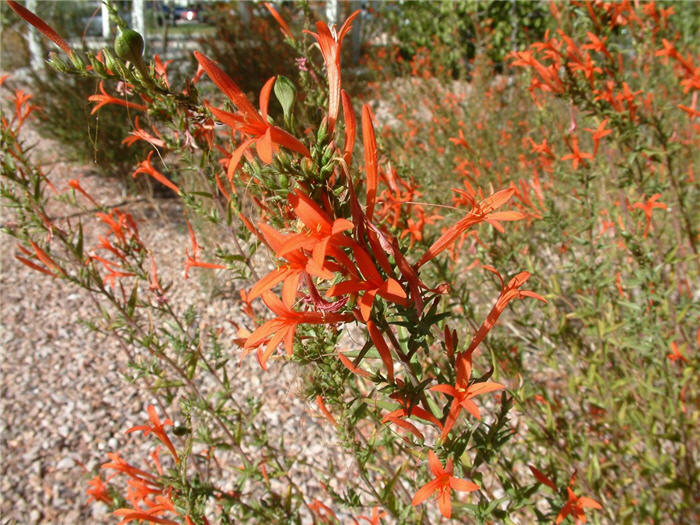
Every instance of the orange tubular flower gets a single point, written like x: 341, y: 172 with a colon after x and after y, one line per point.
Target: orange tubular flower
x: 98, y: 491
x: 351, y: 366
x: 541, y: 149
x: 44, y: 258
x: 597, y: 44
x: 372, y: 286
x: 289, y: 274
x: 370, y: 144
x: 158, y: 429
x: 402, y: 423
x: 119, y: 465
x: 324, y: 235
x: 648, y: 207
x: 121, y: 225
x: 598, y: 134
x: 194, y: 260
x: 406, y: 410
x: 284, y: 326
x: 542, y: 478
x: 443, y: 484
x: 22, y: 107
x: 690, y: 110
x: 248, y: 121
x: 463, y: 392
x: 377, y: 515
x: 324, y: 512
x: 588, y: 68
x: 140, y: 515
x: 482, y: 212
x: 140, y: 491
x: 31, y: 264
x: 676, y: 354
x: 330, y: 41
x: 576, y: 155
x: 161, y: 69
x: 105, y: 98
x: 75, y: 184
x: 147, y: 167
x: 575, y: 507
x: 283, y: 25
x: 141, y: 134
x: 350, y: 127
x: 381, y: 346
x: 508, y: 293
x: 325, y: 411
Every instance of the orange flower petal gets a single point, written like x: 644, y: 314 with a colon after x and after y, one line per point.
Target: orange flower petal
x: 381, y: 347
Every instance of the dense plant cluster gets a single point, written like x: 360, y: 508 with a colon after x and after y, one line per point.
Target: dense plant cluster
x: 401, y: 234
x: 453, y: 32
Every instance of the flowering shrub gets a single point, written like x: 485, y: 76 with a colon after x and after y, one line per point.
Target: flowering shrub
x: 599, y: 144
x: 384, y: 267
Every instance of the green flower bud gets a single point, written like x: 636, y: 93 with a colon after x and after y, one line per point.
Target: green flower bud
x: 110, y: 61
x: 326, y: 171
x: 322, y: 131
x: 77, y: 62
x: 58, y: 64
x: 98, y: 66
x: 129, y: 46
x: 307, y: 167
x: 327, y: 153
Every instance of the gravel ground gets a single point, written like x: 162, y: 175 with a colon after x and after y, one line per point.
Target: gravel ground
x: 64, y: 403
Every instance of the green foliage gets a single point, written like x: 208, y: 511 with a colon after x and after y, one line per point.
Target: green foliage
x: 451, y: 32
x: 95, y: 139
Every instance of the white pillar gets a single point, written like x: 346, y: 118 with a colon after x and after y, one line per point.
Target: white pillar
x: 138, y: 20
x: 332, y: 12
x: 243, y: 12
x: 35, y: 52
x: 106, y: 33
x: 356, y: 33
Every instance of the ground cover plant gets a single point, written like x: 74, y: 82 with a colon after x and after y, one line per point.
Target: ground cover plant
x: 485, y: 271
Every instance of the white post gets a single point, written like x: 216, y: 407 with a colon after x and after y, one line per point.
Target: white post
x: 356, y: 33
x: 138, y: 20
x: 35, y: 52
x: 243, y: 12
x: 106, y: 33
x: 332, y: 12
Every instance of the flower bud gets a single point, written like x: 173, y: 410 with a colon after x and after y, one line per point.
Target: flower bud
x: 326, y: 171
x: 57, y: 64
x: 327, y: 153
x: 77, y: 62
x: 98, y: 67
x: 307, y: 167
x: 110, y: 61
x: 129, y: 46
x: 322, y: 131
